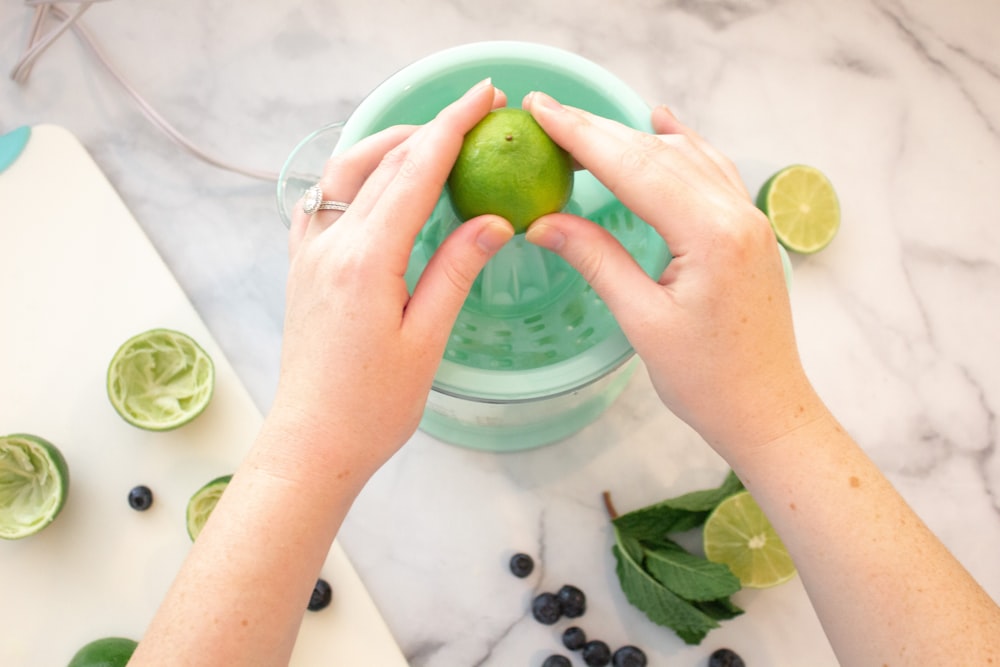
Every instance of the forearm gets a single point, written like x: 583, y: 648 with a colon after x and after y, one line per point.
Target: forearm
x: 886, y: 589
x: 241, y: 593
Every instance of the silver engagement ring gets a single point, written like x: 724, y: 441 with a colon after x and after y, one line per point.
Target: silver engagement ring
x: 313, y: 201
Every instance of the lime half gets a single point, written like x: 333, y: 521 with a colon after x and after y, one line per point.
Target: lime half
x: 802, y: 206
x: 738, y: 535
x: 202, y: 503
x: 34, y: 481
x: 160, y: 379
x: 105, y: 652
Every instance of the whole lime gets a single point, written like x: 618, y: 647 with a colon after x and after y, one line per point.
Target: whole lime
x: 509, y: 166
x: 105, y: 652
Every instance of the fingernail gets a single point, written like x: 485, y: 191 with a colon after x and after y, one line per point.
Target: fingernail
x: 485, y: 83
x: 494, y: 235
x: 664, y: 108
x: 544, y: 101
x: 545, y: 236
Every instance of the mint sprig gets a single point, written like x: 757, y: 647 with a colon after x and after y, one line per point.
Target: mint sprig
x: 673, y: 587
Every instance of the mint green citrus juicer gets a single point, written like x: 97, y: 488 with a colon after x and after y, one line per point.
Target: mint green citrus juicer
x: 535, y: 355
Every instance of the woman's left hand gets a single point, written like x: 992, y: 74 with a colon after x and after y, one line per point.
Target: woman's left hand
x: 359, y: 351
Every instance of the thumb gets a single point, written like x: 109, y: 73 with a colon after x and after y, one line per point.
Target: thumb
x: 448, y: 277
x: 602, y: 261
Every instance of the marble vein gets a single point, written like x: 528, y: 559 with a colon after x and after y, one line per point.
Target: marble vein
x: 907, y: 27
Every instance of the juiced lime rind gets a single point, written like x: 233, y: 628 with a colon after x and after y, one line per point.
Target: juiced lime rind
x: 202, y: 502
x: 105, y: 652
x: 739, y: 535
x: 34, y: 483
x: 778, y: 198
x: 477, y: 187
x: 160, y: 380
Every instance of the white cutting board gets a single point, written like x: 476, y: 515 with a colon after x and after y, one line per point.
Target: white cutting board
x: 77, y: 278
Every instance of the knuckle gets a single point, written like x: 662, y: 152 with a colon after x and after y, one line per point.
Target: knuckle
x: 459, y: 275
x: 634, y: 160
x: 401, y: 161
x: 590, y: 264
x: 641, y: 152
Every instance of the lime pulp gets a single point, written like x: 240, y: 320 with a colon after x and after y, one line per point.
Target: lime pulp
x: 802, y: 206
x: 34, y: 482
x: 739, y: 535
x: 202, y: 503
x: 160, y: 379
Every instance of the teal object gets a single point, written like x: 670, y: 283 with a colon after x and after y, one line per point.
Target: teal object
x: 535, y: 355
x: 12, y: 145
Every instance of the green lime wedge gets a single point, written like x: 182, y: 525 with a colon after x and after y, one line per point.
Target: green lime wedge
x: 34, y: 481
x: 160, y: 380
x: 738, y: 535
x: 202, y: 502
x: 105, y: 652
x: 802, y: 206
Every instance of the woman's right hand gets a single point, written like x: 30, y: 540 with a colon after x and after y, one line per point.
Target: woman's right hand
x: 715, y: 330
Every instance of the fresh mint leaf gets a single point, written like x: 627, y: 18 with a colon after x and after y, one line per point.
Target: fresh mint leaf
x: 721, y: 610
x: 707, y: 499
x: 658, y: 603
x: 630, y: 545
x: 651, y: 524
x: 691, y: 577
x: 673, y: 587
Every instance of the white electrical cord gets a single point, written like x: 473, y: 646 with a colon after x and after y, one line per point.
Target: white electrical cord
x: 37, y: 45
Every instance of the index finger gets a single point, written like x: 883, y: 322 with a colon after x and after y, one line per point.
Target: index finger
x: 402, y: 192
x: 653, y: 178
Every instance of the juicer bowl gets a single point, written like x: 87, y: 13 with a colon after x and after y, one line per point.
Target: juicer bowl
x: 535, y: 354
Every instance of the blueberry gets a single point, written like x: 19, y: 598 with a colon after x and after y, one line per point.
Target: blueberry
x: 596, y: 653
x: 321, y: 596
x: 629, y: 656
x: 140, y: 498
x: 725, y: 658
x: 556, y: 661
x: 573, y: 601
x: 521, y: 565
x: 546, y: 609
x: 574, y: 638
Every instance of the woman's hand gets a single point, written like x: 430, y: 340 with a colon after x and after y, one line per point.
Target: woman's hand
x: 359, y: 352
x: 715, y: 329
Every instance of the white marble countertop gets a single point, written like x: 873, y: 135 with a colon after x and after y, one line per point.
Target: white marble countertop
x: 897, y: 101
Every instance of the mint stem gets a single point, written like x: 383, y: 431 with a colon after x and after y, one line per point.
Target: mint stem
x: 609, y: 506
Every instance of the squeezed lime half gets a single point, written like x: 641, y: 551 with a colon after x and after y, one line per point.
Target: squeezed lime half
x: 160, y: 379
x: 105, y: 652
x: 738, y: 535
x: 202, y: 502
x: 34, y: 482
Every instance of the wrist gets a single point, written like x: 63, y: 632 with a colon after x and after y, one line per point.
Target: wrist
x: 307, y: 448
x: 772, y: 414
x: 804, y: 426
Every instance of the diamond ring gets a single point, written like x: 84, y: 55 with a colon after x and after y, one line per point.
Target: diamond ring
x: 313, y: 201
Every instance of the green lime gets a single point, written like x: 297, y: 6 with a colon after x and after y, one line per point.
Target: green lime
x: 802, y: 206
x: 738, y: 535
x: 34, y: 481
x: 509, y: 167
x: 105, y: 652
x: 160, y: 379
x: 202, y: 502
